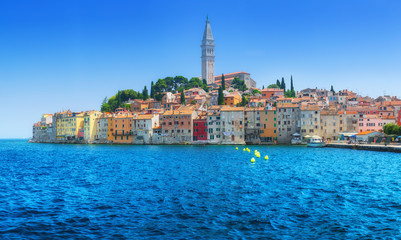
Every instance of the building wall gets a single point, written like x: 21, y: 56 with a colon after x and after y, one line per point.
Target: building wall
x: 268, y: 126
x: 200, y: 130
x: 214, y: 128
x: 288, y: 123
x: 310, y: 122
x: 122, y: 129
x: 329, y: 125
x: 370, y: 123
x: 252, y: 125
x: 232, y: 126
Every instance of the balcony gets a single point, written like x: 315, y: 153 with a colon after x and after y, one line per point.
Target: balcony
x: 121, y: 133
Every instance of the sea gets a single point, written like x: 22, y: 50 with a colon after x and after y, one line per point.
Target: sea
x: 71, y: 191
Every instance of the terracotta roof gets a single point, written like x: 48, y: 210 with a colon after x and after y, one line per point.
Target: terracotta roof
x: 286, y: 105
x: 348, y: 112
x: 145, y: 116
x: 231, y: 109
x: 365, y: 132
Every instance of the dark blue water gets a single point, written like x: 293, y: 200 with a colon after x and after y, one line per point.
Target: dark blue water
x: 180, y: 192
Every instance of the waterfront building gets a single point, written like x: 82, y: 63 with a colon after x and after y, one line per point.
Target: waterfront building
x: 329, y: 124
x: 288, y: 122
x: 208, y: 54
x: 103, y: 125
x: 370, y: 123
x: 268, y: 125
x: 214, y: 125
x: 365, y: 135
x: 69, y: 126
x: 90, y: 120
x: 252, y: 124
x: 388, y: 119
x: 232, y: 99
x: 272, y: 92
x: 232, y: 125
x: 122, y: 128
x: 200, y: 129
x: 143, y: 128
x: 399, y: 118
x: 310, y: 120
x: 348, y: 121
x: 177, y: 125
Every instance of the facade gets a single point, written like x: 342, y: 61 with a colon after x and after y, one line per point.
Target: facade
x: 177, y: 125
x: 329, y: 124
x: 208, y: 54
x: 90, y: 124
x: 200, y: 129
x: 268, y: 125
x: 369, y: 123
x: 143, y: 128
x: 348, y: 121
x: 214, y: 125
x: 252, y: 125
x: 310, y: 120
x: 122, y: 128
x: 272, y: 92
x: 288, y: 122
x: 229, y: 77
x: 232, y: 125
x: 69, y: 126
x: 232, y: 99
x: 102, y: 127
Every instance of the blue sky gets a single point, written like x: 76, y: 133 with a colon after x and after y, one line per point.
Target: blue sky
x: 57, y: 55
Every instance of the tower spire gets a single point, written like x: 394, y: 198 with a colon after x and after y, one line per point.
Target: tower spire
x: 208, y: 53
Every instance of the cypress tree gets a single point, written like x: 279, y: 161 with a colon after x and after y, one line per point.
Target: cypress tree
x: 220, y: 98
x: 223, y: 82
x: 152, y: 90
x: 332, y: 89
x: 145, y: 93
x: 278, y: 83
x: 263, y: 87
x: 282, y: 85
x: 182, y: 98
x: 292, y: 88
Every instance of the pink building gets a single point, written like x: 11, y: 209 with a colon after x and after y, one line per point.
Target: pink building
x: 370, y: 123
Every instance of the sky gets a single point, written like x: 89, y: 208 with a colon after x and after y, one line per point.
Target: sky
x: 71, y: 54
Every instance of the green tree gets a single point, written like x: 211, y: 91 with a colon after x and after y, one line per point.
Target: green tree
x: 282, y: 85
x: 263, y: 87
x: 152, y: 91
x: 292, y: 88
x: 223, y: 82
x: 220, y: 97
x: 273, y: 86
x: 182, y: 98
x: 145, y: 94
x: 255, y: 91
x: 332, y: 89
x: 193, y: 102
x: 239, y: 84
x: 278, y: 83
x: 204, y: 82
x: 244, y: 101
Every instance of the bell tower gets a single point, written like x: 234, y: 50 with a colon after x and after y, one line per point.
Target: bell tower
x: 208, y: 54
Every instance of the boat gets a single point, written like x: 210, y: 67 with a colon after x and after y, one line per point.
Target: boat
x: 296, y: 139
x: 316, y: 141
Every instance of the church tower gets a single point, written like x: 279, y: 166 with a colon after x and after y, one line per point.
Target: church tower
x: 208, y: 54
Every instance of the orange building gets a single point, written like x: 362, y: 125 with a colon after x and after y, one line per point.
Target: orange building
x: 272, y: 92
x: 232, y: 99
x: 268, y: 125
x: 122, y: 128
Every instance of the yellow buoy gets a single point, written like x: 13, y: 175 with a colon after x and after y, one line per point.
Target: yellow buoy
x: 249, y: 150
x: 266, y: 157
x: 236, y: 148
x: 243, y: 150
x: 253, y: 160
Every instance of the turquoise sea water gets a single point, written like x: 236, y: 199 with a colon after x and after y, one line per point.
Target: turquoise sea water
x: 204, y: 192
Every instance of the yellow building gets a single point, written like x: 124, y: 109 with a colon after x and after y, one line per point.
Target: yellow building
x: 232, y: 99
x: 90, y: 119
x: 69, y: 125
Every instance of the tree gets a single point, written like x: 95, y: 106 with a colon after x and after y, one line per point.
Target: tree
x: 282, y: 85
x: 204, y: 82
x: 332, y: 89
x: 244, y: 101
x: 255, y: 91
x: 220, y: 98
x: 273, y: 86
x: 193, y: 102
x: 152, y: 91
x: 391, y: 128
x: 182, y: 98
x: 292, y: 88
x: 278, y: 83
x: 239, y: 84
x: 263, y: 87
x: 145, y: 94
x: 223, y: 82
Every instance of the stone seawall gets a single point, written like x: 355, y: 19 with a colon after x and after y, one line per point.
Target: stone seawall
x: 369, y: 147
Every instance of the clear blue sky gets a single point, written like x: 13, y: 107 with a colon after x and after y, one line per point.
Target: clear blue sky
x: 57, y: 55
